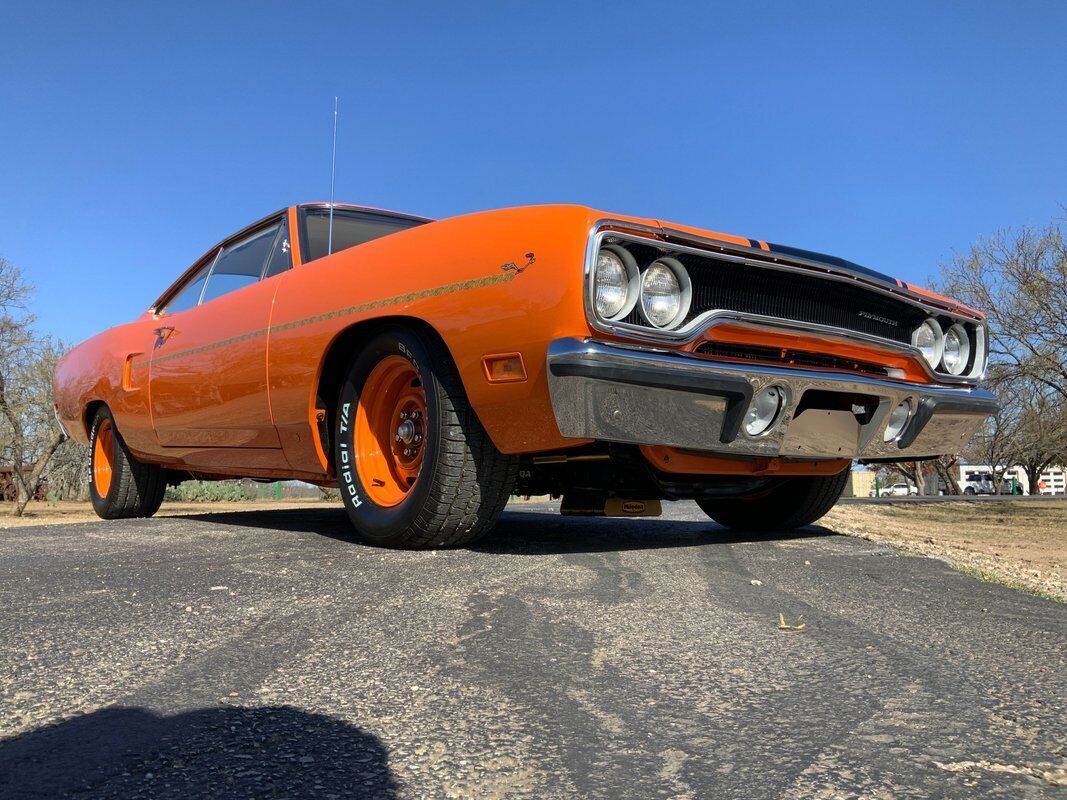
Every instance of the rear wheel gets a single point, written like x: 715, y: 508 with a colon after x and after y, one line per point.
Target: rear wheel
x: 415, y: 465
x: 120, y: 486
x: 791, y: 503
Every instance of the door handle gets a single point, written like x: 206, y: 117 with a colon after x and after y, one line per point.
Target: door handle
x: 163, y: 332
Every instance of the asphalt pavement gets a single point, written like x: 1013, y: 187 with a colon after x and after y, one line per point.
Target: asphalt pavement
x: 265, y: 654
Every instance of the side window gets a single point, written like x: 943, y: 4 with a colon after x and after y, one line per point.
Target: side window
x: 188, y: 296
x: 240, y: 265
x: 349, y: 230
x: 280, y: 260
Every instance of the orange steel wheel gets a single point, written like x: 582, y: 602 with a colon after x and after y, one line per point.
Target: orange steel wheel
x: 103, y: 457
x: 390, y: 431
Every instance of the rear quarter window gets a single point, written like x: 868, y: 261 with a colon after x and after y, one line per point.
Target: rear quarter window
x: 349, y: 229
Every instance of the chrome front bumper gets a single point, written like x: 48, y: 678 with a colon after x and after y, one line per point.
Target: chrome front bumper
x: 619, y: 393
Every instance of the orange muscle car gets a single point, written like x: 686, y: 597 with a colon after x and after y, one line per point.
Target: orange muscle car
x: 430, y: 369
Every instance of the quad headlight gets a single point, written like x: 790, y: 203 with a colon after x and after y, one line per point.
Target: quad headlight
x: 666, y: 293
x: 615, y: 283
x: 957, y: 350
x: 928, y: 338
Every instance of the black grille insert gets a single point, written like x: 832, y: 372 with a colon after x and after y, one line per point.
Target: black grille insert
x: 770, y: 292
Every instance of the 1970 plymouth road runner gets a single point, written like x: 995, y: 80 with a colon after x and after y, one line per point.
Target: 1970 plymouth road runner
x: 430, y: 369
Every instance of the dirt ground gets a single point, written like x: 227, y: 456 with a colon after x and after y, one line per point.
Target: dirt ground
x: 1015, y: 542
x: 54, y: 513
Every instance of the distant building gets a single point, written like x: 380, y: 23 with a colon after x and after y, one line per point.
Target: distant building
x: 860, y: 485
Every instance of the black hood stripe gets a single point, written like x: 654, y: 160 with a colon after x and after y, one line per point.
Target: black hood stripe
x: 832, y: 261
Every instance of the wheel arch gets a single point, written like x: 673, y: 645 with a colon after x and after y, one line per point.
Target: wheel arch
x: 335, y: 362
x: 91, y: 409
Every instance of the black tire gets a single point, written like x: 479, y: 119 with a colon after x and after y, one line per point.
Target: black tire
x: 790, y: 503
x: 969, y: 490
x: 464, y: 481
x: 135, y: 488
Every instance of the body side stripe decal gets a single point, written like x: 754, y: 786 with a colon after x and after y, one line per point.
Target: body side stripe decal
x: 408, y: 297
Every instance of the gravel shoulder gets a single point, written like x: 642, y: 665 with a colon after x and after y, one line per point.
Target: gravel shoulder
x: 67, y: 512
x: 1018, y: 543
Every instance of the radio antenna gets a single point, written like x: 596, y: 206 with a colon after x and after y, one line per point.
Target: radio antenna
x: 333, y: 176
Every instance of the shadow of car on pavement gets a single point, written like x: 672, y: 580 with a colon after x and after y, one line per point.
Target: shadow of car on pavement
x: 214, y: 752
x: 521, y: 532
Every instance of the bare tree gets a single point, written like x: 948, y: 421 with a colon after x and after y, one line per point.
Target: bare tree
x: 1019, y: 278
x: 29, y: 434
x: 1041, y: 430
x: 998, y: 441
x: 946, y: 471
x: 68, y: 472
x: 15, y: 319
x: 914, y: 471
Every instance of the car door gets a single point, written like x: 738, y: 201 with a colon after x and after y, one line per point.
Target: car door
x: 208, y: 381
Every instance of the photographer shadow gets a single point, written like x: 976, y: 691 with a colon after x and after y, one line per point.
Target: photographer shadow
x: 214, y: 752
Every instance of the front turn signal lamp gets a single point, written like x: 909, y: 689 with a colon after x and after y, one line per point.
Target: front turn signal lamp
x: 504, y: 368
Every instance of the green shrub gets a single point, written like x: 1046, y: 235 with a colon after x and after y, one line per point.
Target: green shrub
x: 211, y: 492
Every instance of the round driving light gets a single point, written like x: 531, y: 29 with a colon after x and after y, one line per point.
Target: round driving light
x: 957, y: 351
x: 764, y: 410
x: 927, y: 337
x: 612, y: 282
x: 665, y: 293
x: 898, y: 419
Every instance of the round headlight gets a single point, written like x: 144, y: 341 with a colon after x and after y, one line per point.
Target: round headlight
x: 898, y: 418
x: 612, y: 282
x: 957, y: 350
x: 764, y: 411
x: 927, y: 337
x: 665, y: 293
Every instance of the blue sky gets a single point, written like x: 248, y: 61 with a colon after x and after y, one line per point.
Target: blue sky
x: 134, y: 136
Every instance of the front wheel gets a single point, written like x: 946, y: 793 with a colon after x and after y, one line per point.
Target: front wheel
x: 790, y: 503
x: 415, y: 466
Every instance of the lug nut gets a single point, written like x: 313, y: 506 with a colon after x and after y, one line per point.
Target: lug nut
x: 418, y: 437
